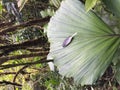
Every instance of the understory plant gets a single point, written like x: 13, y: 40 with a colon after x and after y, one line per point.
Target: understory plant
x: 82, y: 44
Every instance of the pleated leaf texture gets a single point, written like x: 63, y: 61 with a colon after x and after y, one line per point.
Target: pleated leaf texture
x: 89, y: 44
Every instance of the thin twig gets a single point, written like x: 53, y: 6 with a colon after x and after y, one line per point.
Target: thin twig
x: 8, y: 73
x: 14, y: 79
x: 11, y: 83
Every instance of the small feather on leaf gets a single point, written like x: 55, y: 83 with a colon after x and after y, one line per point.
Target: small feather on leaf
x: 68, y: 40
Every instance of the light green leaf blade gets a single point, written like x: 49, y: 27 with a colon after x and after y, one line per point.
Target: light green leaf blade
x: 21, y: 4
x: 1, y: 7
x: 56, y: 3
x: 91, y: 50
x: 89, y: 4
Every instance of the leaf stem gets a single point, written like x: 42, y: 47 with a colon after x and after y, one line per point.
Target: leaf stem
x: 114, y: 35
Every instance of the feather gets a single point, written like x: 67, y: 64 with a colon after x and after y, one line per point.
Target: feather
x: 68, y: 40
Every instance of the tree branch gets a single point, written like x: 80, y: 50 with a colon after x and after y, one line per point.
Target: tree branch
x: 25, y: 24
x: 12, y: 47
x: 5, y: 24
x: 7, y: 73
x: 19, y: 72
x: 8, y: 58
x: 21, y: 64
x: 40, y: 41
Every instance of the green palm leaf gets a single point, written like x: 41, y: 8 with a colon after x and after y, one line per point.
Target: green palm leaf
x: 90, y: 51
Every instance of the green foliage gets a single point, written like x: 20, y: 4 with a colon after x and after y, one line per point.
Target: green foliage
x: 1, y: 8
x: 117, y: 73
x: 91, y: 50
x: 89, y: 4
x: 114, y: 6
x: 27, y: 34
x: 50, y: 11
x: 27, y: 86
x: 21, y: 4
x: 47, y: 12
x: 56, y: 3
x: 31, y: 11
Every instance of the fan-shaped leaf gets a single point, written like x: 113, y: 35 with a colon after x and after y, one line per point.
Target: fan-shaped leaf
x: 91, y: 50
